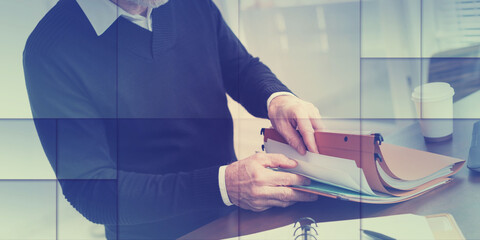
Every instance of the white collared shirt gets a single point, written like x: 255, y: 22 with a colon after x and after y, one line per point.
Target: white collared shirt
x: 103, y: 13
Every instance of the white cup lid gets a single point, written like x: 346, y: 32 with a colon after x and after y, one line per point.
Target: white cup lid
x: 430, y: 92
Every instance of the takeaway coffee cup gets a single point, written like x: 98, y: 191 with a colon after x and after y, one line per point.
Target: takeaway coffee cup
x: 434, y: 105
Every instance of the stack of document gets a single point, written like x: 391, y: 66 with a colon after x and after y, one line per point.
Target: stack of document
x: 361, y: 168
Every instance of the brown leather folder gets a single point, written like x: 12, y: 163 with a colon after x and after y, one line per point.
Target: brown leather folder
x: 370, y: 152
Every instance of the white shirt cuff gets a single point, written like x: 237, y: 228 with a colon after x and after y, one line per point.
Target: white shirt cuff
x: 223, y: 186
x: 274, y: 95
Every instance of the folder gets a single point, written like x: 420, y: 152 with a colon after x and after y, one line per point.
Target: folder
x: 363, y: 168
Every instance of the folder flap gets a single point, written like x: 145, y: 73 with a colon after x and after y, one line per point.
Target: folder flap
x: 335, y: 144
x: 350, y: 142
x: 411, y: 164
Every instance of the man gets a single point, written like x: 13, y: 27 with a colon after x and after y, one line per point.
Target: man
x: 129, y: 102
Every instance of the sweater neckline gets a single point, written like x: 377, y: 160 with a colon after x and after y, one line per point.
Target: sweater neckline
x: 142, y: 42
x: 164, y: 28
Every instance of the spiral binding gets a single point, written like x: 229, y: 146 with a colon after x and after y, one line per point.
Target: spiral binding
x: 306, y: 232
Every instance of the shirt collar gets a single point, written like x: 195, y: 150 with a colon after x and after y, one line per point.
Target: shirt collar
x: 103, y: 13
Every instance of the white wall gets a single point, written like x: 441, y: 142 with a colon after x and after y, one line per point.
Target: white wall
x: 18, y: 18
x: 27, y: 182
x: 312, y: 46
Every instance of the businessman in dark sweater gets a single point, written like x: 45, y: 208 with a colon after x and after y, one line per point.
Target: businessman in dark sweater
x: 129, y: 101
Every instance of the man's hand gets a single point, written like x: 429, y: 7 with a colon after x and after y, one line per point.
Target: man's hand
x: 287, y: 113
x: 251, y: 185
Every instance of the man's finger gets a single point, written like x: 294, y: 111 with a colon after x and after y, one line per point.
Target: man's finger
x: 286, y: 194
x: 317, y: 124
x: 306, y: 130
x: 293, y: 137
x: 274, y: 160
x: 287, y: 179
x: 278, y: 203
x: 316, y: 119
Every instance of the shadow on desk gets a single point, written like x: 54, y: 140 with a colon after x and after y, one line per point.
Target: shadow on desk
x: 474, y: 178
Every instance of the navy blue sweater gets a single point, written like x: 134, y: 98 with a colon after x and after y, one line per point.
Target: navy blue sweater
x: 135, y: 123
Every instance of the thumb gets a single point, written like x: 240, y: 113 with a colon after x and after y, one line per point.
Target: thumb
x: 279, y: 161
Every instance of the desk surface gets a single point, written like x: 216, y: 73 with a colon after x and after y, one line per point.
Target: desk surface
x: 461, y: 197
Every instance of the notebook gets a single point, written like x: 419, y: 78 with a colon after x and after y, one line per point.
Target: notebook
x: 362, y: 168
x: 404, y: 226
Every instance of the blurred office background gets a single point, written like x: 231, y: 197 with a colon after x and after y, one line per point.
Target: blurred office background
x: 352, y: 59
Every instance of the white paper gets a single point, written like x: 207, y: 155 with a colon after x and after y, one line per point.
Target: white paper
x: 411, y: 184
x: 322, y: 168
x: 405, y: 226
